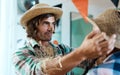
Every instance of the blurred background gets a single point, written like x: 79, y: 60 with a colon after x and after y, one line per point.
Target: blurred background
x: 71, y: 28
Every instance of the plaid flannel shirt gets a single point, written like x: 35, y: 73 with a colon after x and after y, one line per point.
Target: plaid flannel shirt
x: 27, y: 63
x: 111, y: 66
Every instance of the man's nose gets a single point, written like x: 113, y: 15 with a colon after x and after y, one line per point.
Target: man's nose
x: 51, y: 27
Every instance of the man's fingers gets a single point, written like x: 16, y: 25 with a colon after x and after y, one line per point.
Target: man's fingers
x: 104, y: 44
x: 101, y: 37
x: 108, y: 45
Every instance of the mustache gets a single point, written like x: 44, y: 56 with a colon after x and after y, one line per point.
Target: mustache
x: 49, y: 32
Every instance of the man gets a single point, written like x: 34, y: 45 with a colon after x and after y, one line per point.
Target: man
x: 109, y: 22
x: 41, y: 57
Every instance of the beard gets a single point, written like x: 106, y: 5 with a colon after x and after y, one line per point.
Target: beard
x: 47, y: 36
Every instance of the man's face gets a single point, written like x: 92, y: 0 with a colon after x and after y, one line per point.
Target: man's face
x: 46, y: 28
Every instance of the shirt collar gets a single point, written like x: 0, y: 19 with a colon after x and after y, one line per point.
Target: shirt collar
x: 113, y: 56
x: 34, y: 42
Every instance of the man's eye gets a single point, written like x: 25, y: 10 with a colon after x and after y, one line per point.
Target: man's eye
x: 48, y: 23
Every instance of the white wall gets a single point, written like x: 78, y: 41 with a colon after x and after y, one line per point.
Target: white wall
x: 98, y: 6
x: 7, y: 42
x: 68, y: 7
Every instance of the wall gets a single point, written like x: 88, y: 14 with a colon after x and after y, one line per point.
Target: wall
x: 7, y: 41
x: 79, y: 29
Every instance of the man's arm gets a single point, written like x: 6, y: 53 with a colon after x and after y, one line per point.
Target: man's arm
x: 91, y: 47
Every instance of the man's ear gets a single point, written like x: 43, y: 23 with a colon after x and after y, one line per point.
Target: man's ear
x: 94, y: 25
